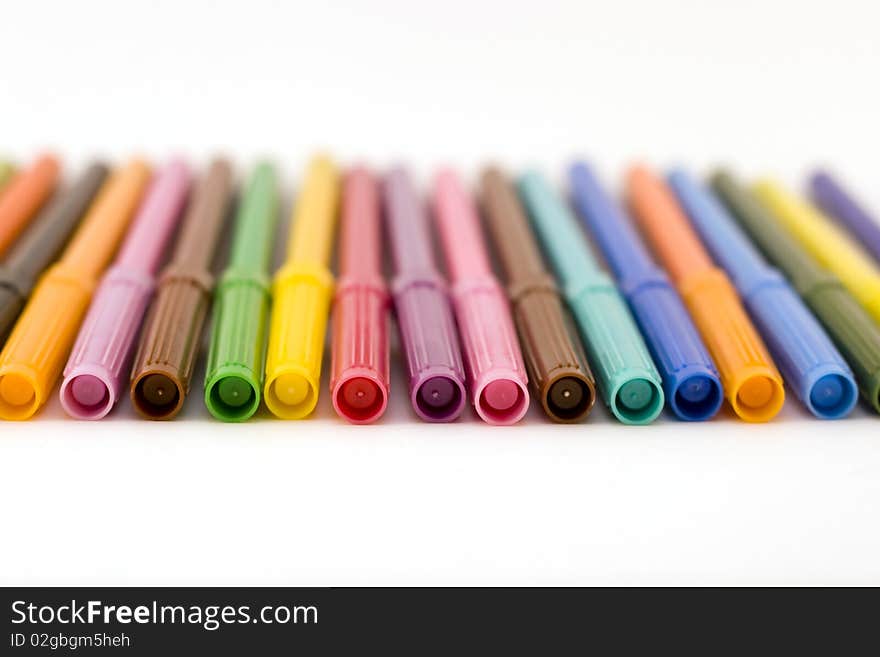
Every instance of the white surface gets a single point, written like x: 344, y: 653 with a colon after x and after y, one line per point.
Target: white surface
x: 767, y: 88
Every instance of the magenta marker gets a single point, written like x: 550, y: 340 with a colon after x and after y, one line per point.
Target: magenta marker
x: 98, y: 366
x: 496, y: 373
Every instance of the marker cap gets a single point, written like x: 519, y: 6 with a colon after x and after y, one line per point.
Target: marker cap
x: 557, y: 368
x: 359, y: 379
x: 626, y: 373
x: 430, y: 345
x: 301, y: 296
x: 751, y: 382
x: 98, y: 365
x: 233, y: 379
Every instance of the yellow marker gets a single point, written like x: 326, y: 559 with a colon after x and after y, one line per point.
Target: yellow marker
x: 830, y: 245
x: 301, y: 294
x: 43, y: 336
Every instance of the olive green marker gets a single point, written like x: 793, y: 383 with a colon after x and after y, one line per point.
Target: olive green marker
x: 848, y: 324
x: 235, y: 370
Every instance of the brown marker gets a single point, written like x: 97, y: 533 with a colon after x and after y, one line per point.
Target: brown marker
x: 557, y: 367
x: 169, y: 344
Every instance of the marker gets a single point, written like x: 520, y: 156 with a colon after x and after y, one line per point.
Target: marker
x: 23, y: 197
x: 556, y: 364
x: 849, y: 325
x: 234, y: 377
x: 809, y: 362
x: 837, y: 203
x: 359, y: 379
x: 751, y: 381
x: 690, y: 381
x: 302, y: 291
x: 172, y: 333
x: 627, y: 378
x: 33, y: 356
x: 826, y: 242
x: 496, y: 374
x: 7, y: 171
x: 428, y: 334
x: 41, y: 243
x: 98, y: 366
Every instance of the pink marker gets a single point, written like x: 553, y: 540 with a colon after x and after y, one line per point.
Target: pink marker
x: 496, y: 374
x: 102, y: 354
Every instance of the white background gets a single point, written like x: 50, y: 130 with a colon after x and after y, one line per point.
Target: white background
x: 768, y: 87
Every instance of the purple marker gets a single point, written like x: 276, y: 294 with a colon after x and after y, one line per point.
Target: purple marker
x: 424, y: 314
x: 835, y: 201
x: 102, y: 354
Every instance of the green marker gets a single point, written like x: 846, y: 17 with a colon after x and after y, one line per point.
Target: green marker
x: 235, y: 370
x: 850, y: 327
x: 627, y: 377
x: 6, y: 171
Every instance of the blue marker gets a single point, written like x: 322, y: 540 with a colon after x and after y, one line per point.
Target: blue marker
x: 808, y: 360
x: 690, y: 380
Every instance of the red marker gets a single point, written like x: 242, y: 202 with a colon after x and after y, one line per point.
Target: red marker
x: 359, y: 379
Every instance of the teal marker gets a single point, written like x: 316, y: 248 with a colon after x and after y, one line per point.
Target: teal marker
x: 627, y: 377
x: 235, y: 370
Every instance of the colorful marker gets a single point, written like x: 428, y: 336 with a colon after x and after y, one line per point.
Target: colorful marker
x: 172, y: 333
x: 690, y: 381
x: 751, y: 382
x: 848, y: 324
x: 98, y: 366
x: 496, y: 374
x: 627, y: 377
x: 23, y: 197
x: 826, y: 242
x: 234, y: 377
x: 842, y: 206
x: 424, y: 315
x: 555, y: 361
x: 809, y: 362
x: 41, y: 340
x: 41, y: 243
x: 302, y: 291
x: 360, y: 367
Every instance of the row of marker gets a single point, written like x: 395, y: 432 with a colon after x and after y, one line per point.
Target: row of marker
x: 712, y: 287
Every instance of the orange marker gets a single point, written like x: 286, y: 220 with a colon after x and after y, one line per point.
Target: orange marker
x: 31, y: 360
x: 751, y: 381
x: 24, y: 196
